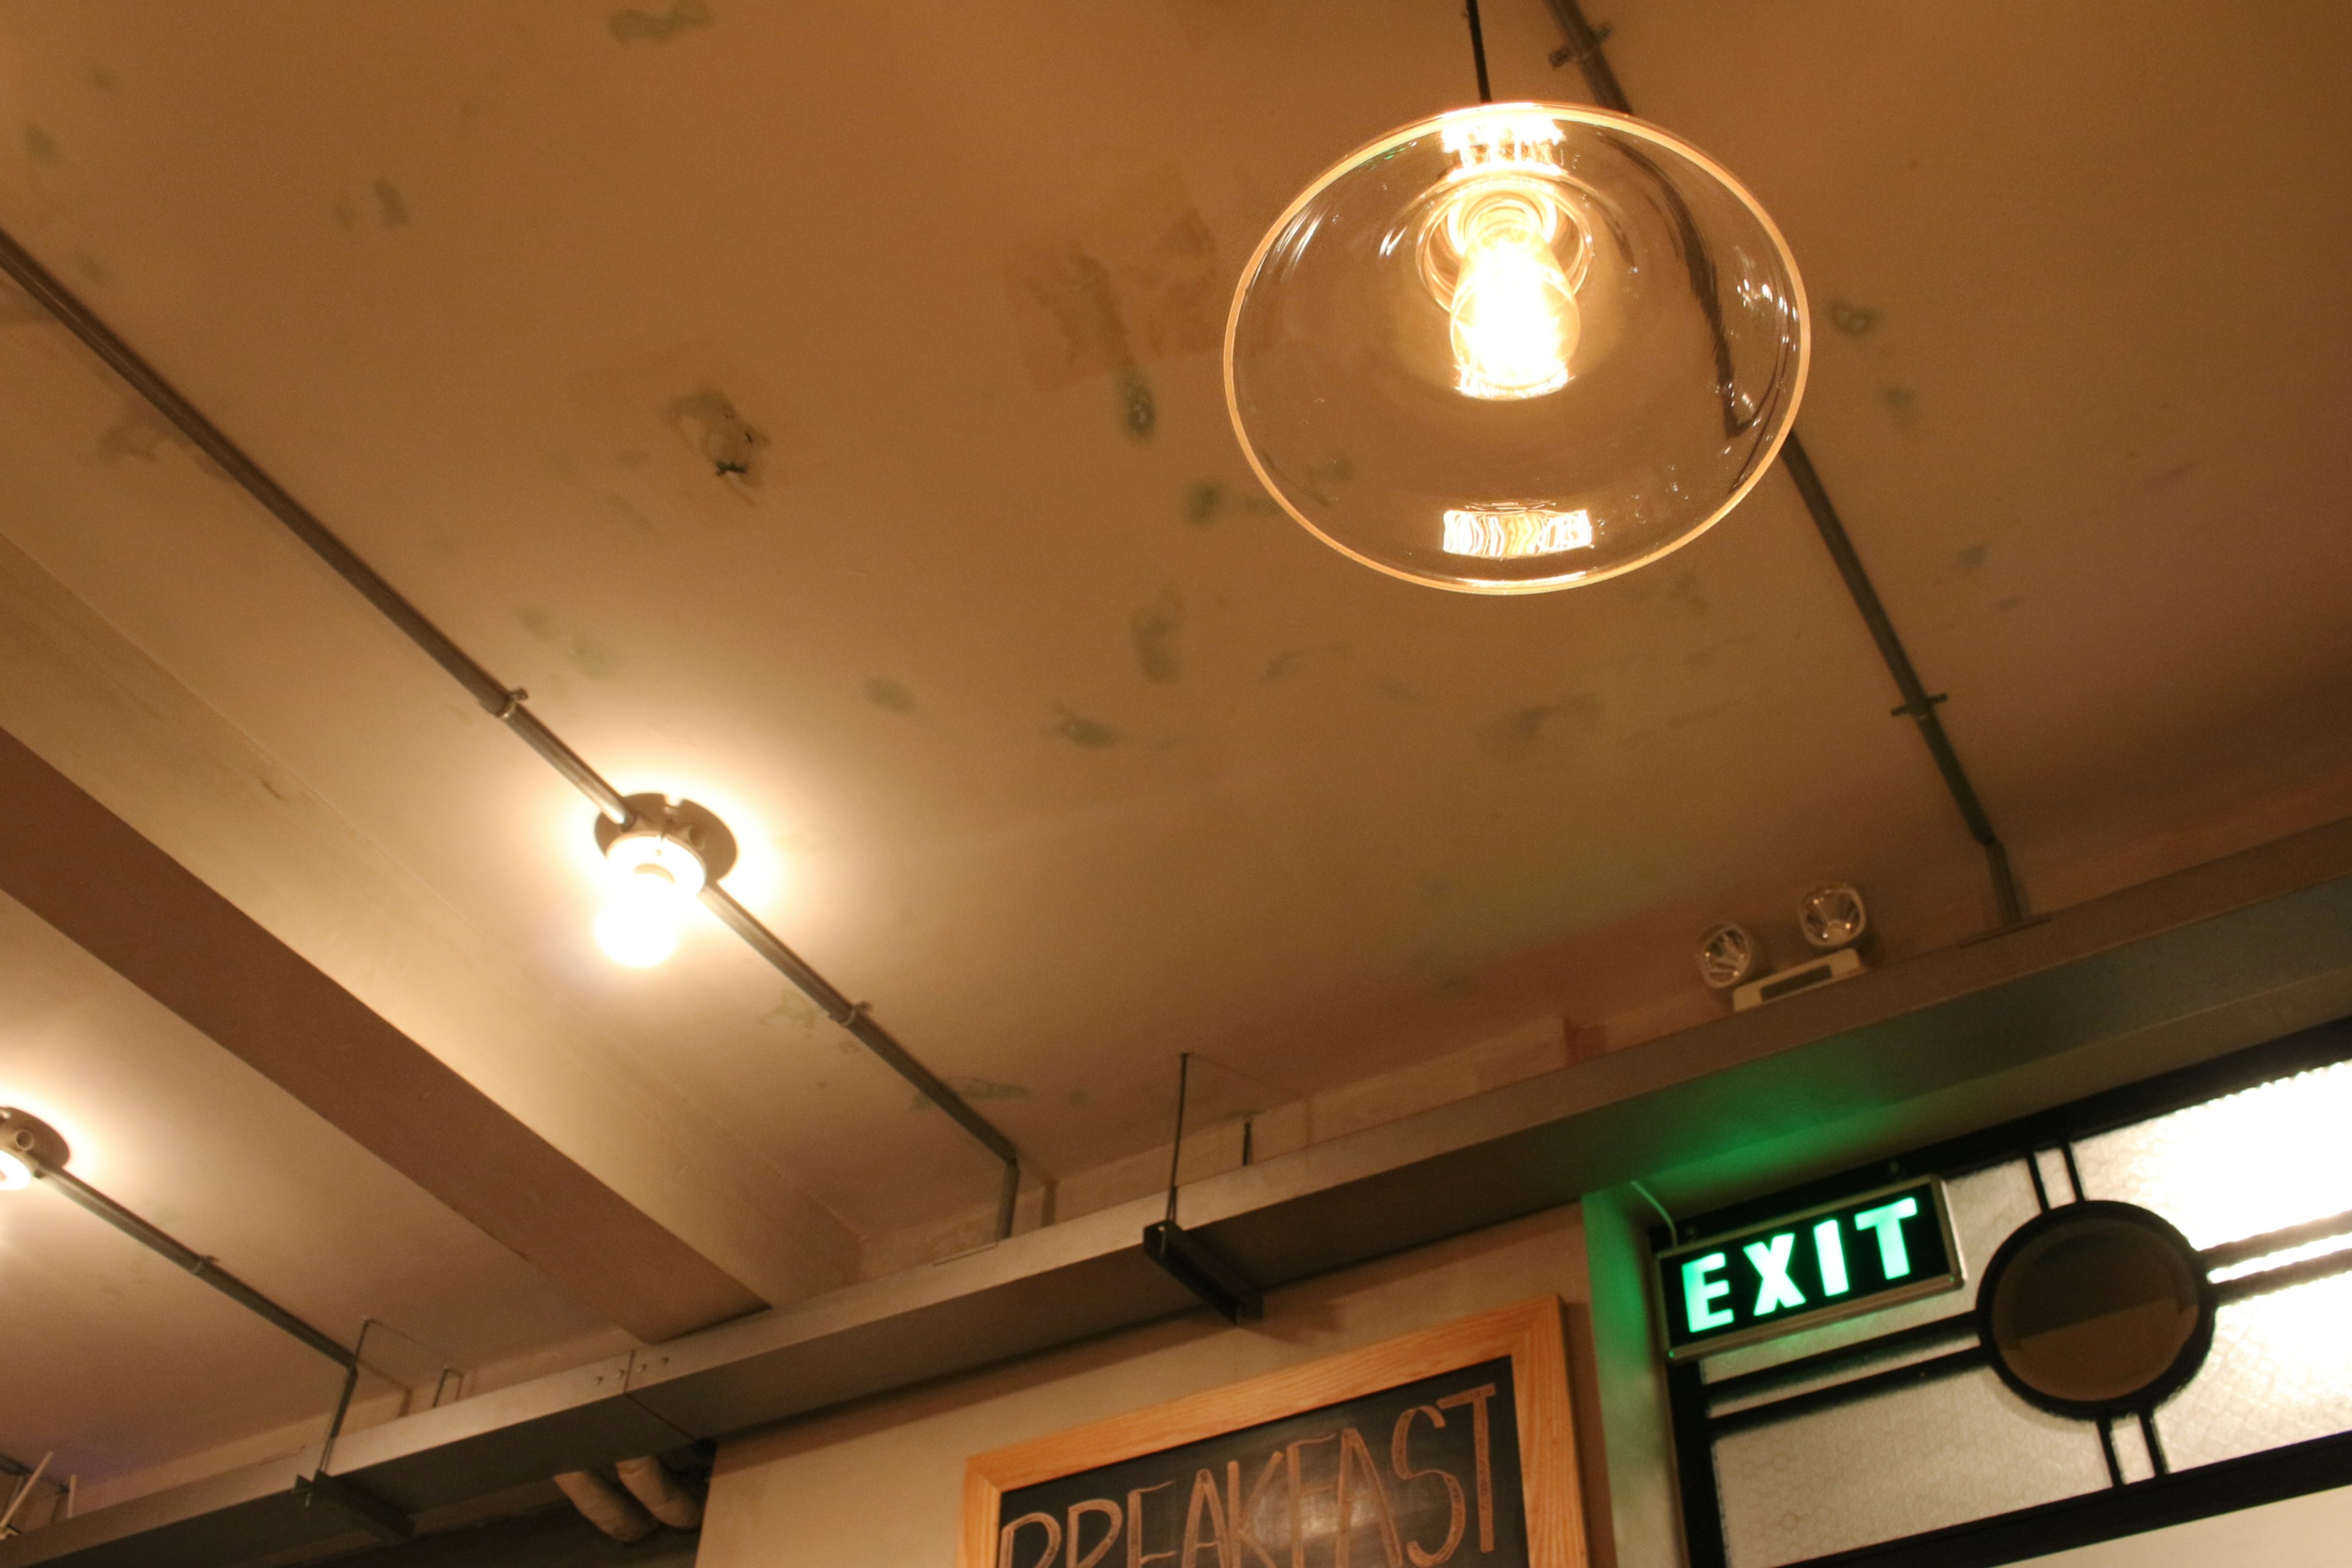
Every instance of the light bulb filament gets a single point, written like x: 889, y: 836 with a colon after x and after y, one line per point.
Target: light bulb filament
x: 1492, y: 257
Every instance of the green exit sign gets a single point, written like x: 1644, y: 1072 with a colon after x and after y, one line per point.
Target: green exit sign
x: 1857, y: 1255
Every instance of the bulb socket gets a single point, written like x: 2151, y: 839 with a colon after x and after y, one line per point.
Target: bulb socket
x: 659, y: 829
x: 28, y: 1143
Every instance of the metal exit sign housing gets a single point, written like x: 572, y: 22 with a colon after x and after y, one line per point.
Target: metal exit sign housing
x: 1835, y: 1260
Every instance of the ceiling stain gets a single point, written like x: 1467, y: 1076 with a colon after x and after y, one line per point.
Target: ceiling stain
x: 1704, y: 655
x: 1207, y: 501
x: 2156, y: 481
x: 1518, y: 735
x: 100, y: 78
x: 1080, y: 731
x: 91, y: 269
x: 890, y: 695
x: 579, y: 649
x: 730, y: 444
x: 1137, y: 412
x: 1155, y: 628
x: 631, y: 25
x: 1291, y: 660
x: 1854, y: 320
x: 138, y: 432
x: 1898, y: 400
x: 1700, y: 715
x: 795, y: 1010
x: 17, y: 306
x: 1136, y: 281
x: 685, y: 434
x: 591, y: 658
x: 1972, y: 557
x: 41, y: 147
x: 390, y: 205
x: 988, y: 1088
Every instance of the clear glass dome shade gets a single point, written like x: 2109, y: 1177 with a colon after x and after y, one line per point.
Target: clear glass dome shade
x: 1516, y: 348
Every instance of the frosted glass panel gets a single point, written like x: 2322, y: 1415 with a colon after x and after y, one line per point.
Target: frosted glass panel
x: 1913, y: 1460
x: 2257, y: 1160
x: 2281, y: 1371
x: 1985, y: 1206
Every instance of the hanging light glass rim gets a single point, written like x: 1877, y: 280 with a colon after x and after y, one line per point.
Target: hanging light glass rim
x: 1578, y: 114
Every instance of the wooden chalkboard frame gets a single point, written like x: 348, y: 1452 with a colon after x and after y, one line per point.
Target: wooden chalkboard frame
x: 1531, y: 1333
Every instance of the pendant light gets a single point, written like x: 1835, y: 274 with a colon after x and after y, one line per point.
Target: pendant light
x: 1516, y: 347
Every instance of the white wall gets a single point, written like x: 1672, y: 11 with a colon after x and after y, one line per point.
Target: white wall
x: 878, y: 1486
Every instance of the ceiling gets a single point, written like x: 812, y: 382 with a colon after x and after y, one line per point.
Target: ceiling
x: 1042, y: 731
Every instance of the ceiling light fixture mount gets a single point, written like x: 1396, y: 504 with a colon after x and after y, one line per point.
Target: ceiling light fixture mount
x: 1517, y: 347
x: 28, y: 1146
x: 660, y: 860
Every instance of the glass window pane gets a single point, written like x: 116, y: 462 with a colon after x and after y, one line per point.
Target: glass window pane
x: 2280, y: 1372
x: 2257, y: 1160
x: 1917, y: 1459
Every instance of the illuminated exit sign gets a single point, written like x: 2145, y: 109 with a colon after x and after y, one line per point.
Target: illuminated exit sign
x: 1854, y: 1255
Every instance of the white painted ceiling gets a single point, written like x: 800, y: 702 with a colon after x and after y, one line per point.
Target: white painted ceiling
x: 1044, y: 731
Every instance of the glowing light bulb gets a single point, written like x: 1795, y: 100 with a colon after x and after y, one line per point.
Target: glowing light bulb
x: 15, y: 1174
x: 1514, y: 310
x: 657, y: 867
x: 640, y: 925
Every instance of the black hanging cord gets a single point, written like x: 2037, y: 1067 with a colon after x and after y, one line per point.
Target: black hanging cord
x: 1478, y: 53
x: 1919, y: 704
x: 1176, y: 1146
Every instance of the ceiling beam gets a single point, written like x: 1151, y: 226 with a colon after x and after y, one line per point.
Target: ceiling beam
x: 2175, y: 972
x: 88, y: 874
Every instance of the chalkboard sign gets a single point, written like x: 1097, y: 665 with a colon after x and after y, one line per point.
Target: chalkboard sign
x: 1448, y: 1448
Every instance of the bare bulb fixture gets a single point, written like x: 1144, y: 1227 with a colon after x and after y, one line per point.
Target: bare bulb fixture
x: 656, y: 865
x: 1503, y: 253
x: 27, y: 1145
x: 1516, y: 348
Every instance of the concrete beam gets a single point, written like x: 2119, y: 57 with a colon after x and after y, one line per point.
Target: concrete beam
x: 138, y: 911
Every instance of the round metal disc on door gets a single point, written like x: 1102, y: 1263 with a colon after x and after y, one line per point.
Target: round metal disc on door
x: 2095, y: 1309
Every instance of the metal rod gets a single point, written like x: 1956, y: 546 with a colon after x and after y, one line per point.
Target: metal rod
x: 1942, y: 1331
x: 1584, y: 48
x: 195, y: 1262
x: 1478, y: 53
x: 495, y: 697
x: 2107, y: 1448
x: 1797, y: 1405
x: 342, y: 1408
x: 853, y: 1017
x: 2155, y: 1445
x: 24, y: 1489
x: 1176, y: 1147
x: 505, y: 703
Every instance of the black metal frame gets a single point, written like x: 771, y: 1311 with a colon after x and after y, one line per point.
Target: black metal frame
x: 2124, y: 1508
